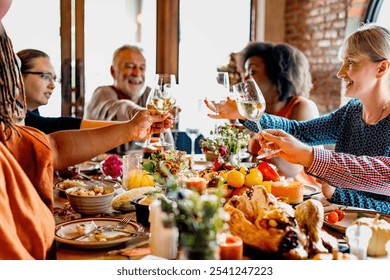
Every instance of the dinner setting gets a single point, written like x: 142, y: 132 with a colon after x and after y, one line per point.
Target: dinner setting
x: 241, y: 165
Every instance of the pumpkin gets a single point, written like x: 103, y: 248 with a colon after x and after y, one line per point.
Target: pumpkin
x: 137, y: 178
x: 380, y: 235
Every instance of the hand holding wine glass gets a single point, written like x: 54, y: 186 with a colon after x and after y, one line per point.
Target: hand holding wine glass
x: 218, y: 96
x: 251, y: 104
x: 163, y: 98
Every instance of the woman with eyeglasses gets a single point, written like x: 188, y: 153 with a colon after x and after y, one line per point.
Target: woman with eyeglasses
x: 40, y: 80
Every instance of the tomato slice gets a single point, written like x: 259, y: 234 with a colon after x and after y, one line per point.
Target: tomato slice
x: 269, y: 174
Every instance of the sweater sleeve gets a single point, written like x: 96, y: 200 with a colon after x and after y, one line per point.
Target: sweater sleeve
x: 105, y: 105
x: 49, y: 125
x: 354, y: 198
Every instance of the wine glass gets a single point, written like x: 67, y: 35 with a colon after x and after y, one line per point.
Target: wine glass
x: 251, y: 104
x: 193, y: 133
x: 150, y: 107
x: 163, y: 98
x: 221, y: 91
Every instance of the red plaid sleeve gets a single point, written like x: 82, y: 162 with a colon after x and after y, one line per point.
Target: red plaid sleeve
x: 363, y: 173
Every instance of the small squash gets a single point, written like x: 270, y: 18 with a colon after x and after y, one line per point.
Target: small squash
x: 380, y: 235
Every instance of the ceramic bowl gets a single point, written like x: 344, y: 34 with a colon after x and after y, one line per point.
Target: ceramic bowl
x: 141, y: 211
x: 90, y: 205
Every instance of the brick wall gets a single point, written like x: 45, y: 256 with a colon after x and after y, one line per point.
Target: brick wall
x: 318, y: 27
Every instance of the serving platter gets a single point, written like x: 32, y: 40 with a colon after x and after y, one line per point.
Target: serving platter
x: 351, y: 215
x: 66, y: 231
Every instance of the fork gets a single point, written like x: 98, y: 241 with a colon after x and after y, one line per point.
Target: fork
x: 122, y: 224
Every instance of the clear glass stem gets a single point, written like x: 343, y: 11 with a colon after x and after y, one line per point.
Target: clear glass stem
x: 192, y: 147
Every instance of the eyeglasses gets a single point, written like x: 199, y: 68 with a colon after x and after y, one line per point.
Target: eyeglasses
x: 48, y: 77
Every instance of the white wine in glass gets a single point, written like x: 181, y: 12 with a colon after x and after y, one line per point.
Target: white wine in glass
x: 251, y: 104
x: 163, y: 98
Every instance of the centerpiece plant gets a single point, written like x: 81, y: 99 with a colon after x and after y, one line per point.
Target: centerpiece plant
x: 199, y: 219
x: 226, y: 141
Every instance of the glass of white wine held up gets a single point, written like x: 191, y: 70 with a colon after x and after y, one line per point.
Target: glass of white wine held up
x: 251, y: 104
x: 163, y: 98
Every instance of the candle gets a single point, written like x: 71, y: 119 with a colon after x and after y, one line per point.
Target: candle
x: 232, y: 248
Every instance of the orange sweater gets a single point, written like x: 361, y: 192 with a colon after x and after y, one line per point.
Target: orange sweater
x: 27, y: 224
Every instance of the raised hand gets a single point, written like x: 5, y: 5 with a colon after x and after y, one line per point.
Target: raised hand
x: 292, y: 149
x: 226, y: 110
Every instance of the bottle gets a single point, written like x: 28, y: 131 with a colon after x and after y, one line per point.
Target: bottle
x: 163, y: 240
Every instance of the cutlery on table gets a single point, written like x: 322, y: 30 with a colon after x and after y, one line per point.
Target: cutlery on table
x: 121, y: 225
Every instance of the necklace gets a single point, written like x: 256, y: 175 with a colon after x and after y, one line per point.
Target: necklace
x: 380, y: 116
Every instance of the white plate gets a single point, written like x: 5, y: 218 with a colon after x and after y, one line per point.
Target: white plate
x: 89, y: 166
x: 64, y: 232
x: 310, y: 190
x: 109, y: 183
x: 351, y: 216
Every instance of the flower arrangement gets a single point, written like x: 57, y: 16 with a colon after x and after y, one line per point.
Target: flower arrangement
x: 226, y: 140
x: 112, y: 166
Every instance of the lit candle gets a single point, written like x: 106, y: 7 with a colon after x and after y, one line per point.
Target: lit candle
x: 232, y: 248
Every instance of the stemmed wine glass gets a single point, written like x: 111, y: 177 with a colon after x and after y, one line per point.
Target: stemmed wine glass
x: 251, y: 104
x: 163, y: 98
x: 221, y: 91
x: 149, y: 106
x: 193, y: 133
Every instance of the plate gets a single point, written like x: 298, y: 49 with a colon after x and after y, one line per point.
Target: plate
x: 89, y: 166
x: 351, y: 216
x: 64, y: 232
x: 61, y: 185
x: 310, y: 190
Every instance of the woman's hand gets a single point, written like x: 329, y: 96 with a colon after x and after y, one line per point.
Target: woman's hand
x: 292, y: 149
x: 145, y: 123
x: 226, y: 110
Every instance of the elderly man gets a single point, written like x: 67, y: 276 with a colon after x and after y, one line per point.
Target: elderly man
x: 128, y: 94
x: 122, y: 100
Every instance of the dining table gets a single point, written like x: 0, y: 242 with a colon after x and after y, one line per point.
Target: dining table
x: 138, y: 247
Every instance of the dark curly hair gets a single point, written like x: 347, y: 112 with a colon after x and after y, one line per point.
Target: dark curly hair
x: 286, y: 67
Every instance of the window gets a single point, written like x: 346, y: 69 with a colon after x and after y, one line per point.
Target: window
x: 108, y: 27
x: 35, y: 25
x: 209, y: 32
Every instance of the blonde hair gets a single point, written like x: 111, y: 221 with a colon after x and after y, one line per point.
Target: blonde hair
x: 369, y: 39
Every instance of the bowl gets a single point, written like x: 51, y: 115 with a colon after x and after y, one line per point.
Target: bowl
x: 90, y: 205
x: 141, y: 211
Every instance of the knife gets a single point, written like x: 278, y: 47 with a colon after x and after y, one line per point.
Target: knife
x: 129, y: 231
x: 77, y: 238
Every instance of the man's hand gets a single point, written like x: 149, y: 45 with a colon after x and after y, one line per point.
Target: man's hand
x: 292, y: 149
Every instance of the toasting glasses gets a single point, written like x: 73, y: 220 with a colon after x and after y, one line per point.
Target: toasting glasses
x: 163, y: 98
x: 251, y: 104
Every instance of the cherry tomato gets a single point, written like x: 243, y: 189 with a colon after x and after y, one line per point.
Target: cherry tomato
x: 340, y: 214
x: 269, y: 174
x: 332, y: 217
